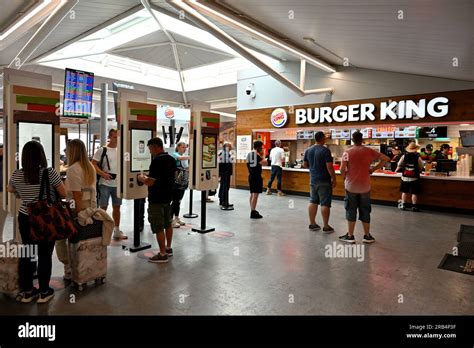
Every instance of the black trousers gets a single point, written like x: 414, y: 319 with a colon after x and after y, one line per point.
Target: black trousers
x: 27, y: 266
x: 224, y: 188
x: 176, y: 201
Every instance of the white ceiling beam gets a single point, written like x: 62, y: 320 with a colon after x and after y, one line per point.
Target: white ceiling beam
x: 224, y: 16
x: 44, y: 31
x: 146, y: 5
x: 207, y: 25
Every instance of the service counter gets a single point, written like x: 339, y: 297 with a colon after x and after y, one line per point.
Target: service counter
x: 437, y: 191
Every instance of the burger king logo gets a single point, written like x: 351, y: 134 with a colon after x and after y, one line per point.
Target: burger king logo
x: 279, y: 117
x: 169, y: 113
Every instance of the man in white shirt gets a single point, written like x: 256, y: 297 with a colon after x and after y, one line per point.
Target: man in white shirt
x: 106, y: 167
x: 277, y: 154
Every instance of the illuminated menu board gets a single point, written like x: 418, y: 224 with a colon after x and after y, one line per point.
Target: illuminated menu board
x: 366, y: 132
x: 383, y: 132
x: 305, y: 135
x: 406, y: 132
x: 78, y: 90
x: 341, y: 134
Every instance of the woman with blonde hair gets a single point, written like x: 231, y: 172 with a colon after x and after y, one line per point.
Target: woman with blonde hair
x: 80, y: 188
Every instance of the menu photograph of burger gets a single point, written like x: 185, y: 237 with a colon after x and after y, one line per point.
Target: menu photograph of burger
x: 209, y: 151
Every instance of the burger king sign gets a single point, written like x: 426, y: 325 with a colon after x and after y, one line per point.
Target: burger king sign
x: 279, y: 118
x: 169, y: 113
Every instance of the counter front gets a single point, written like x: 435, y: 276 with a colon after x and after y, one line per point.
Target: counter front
x: 437, y: 191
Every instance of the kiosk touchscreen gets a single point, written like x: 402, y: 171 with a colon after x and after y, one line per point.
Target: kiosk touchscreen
x: 40, y: 132
x: 140, y: 157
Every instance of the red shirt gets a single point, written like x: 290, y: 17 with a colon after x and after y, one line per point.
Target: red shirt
x: 358, y: 160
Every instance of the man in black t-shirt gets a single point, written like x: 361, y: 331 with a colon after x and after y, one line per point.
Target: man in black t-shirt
x: 255, y: 161
x: 160, y: 184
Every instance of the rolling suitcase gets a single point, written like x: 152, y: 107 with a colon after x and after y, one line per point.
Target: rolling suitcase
x: 9, y: 266
x: 9, y: 274
x: 88, y: 260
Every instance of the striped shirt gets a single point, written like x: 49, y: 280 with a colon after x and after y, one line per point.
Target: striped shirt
x: 30, y: 193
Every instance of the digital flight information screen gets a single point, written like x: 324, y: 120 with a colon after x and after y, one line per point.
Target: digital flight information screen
x: 78, y: 91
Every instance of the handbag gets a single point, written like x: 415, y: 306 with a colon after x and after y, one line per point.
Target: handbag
x: 89, y: 231
x: 50, y: 221
x: 182, y: 179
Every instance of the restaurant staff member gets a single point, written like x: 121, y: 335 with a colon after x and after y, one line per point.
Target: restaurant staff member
x: 396, y: 155
x: 443, y: 153
x: 427, y: 154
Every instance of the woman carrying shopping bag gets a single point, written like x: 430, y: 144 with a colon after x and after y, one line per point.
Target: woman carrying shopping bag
x: 26, y: 183
x: 80, y: 188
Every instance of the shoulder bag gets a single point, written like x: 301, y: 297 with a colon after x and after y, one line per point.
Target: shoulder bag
x: 50, y: 221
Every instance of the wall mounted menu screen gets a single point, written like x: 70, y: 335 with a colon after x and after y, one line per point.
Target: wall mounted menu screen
x: 383, y: 132
x: 78, y: 90
x: 140, y: 157
x: 433, y: 132
x: 406, y: 132
x: 43, y: 133
x: 341, y: 134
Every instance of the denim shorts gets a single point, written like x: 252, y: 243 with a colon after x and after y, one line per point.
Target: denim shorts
x: 321, y: 193
x: 108, y: 191
x: 357, y: 201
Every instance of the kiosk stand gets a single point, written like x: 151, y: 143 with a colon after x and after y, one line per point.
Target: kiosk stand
x: 137, y: 124
x: 204, y: 170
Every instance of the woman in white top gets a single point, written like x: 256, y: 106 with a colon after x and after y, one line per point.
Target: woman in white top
x: 80, y: 188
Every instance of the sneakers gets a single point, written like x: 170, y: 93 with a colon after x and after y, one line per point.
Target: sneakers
x: 314, y: 227
x: 181, y: 222
x: 281, y: 193
x: 28, y: 296
x: 169, y: 252
x: 269, y: 192
x: 119, y: 235
x: 415, y: 209
x: 347, y: 239
x: 46, y: 296
x: 328, y: 229
x: 158, y: 258
x: 368, y: 239
x: 175, y: 223
x: 255, y: 215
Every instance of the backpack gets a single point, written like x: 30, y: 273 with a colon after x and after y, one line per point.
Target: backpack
x: 182, y: 178
x: 410, y: 166
x: 104, y: 155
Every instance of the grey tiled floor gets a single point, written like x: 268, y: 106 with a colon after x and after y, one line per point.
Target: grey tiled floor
x: 276, y: 266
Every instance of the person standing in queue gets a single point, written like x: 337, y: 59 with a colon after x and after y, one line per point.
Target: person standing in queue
x: 25, y: 182
x: 356, y: 171
x: 80, y: 187
x: 322, y: 181
x: 160, y: 183
x: 105, y: 164
x: 226, y: 168
x: 410, y: 165
x: 276, y: 157
x: 181, y: 183
x: 255, y: 161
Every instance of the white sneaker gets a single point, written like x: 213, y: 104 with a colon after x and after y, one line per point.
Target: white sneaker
x: 181, y: 222
x: 175, y: 223
x: 119, y: 235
